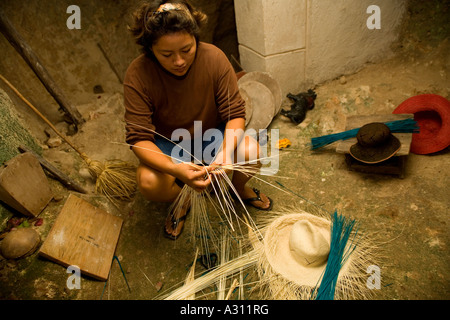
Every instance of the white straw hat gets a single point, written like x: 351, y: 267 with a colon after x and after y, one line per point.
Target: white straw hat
x: 293, y: 257
x: 297, y: 247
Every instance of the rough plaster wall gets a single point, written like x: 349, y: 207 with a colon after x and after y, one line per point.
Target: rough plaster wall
x: 73, y: 57
x: 286, y: 19
x: 338, y: 40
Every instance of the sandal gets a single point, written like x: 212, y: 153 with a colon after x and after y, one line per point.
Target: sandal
x: 175, y: 223
x: 250, y: 201
x: 208, y: 261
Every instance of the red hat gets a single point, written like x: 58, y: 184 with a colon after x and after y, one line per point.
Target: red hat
x: 432, y: 113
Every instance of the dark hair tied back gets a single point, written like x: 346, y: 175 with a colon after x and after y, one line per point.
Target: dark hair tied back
x: 154, y: 19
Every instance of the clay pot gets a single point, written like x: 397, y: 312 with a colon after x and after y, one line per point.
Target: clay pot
x: 19, y: 243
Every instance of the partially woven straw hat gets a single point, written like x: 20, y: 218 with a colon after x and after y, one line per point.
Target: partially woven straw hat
x: 293, y: 257
x: 297, y: 247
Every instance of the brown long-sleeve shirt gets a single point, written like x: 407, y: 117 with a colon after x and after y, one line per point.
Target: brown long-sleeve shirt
x: 155, y: 99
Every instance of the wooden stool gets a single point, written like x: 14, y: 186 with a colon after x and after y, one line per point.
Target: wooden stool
x: 395, y: 165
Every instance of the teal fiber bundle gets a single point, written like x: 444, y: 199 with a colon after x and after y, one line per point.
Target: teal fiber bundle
x: 341, y: 229
x: 397, y: 126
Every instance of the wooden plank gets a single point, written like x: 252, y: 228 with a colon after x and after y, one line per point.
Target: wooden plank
x: 358, y: 121
x: 393, y: 166
x: 85, y: 236
x: 24, y: 185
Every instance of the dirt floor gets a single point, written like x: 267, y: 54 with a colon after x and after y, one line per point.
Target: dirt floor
x: 408, y: 218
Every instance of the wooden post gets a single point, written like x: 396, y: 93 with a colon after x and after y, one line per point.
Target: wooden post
x: 16, y: 40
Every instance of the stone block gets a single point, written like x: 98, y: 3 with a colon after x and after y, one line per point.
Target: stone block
x: 270, y: 27
x: 288, y: 68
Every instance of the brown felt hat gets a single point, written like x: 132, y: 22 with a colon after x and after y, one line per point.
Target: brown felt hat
x: 375, y: 143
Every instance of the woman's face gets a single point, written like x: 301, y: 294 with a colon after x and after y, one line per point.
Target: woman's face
x: 175, y: 52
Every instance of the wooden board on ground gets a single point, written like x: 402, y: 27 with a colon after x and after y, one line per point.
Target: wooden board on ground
x: 24, y: 185
x: 84, y: 236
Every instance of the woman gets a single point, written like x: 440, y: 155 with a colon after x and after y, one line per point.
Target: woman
x: 181, y: 83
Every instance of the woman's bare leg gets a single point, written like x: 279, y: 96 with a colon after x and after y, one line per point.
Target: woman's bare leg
x: 248, y: 150
x: 161, y: 187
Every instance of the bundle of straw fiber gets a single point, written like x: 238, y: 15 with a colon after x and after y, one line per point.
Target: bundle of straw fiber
x: 229, y: 268
x: 218, y: 198
x: 397, y: 126
x: 115, y: 179
x: 232, y: 263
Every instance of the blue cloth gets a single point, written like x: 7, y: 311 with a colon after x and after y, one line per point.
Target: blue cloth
x: 201, y: 150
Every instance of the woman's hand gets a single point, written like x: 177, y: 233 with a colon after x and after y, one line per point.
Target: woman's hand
x: 223, y: 161
x: 233, y: 135
x: 193, y: 175
x: 221, y: 165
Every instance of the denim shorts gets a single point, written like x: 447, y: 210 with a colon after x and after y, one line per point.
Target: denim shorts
x: 201, y: 150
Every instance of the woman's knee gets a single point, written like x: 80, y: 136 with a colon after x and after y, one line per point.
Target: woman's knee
x: 155, y: 186
x: 145, y: 179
